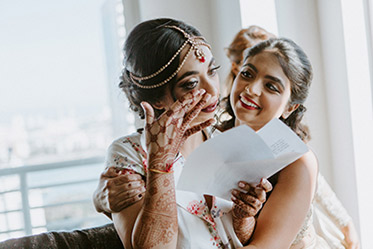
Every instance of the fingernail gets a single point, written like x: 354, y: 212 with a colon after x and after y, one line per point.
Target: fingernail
x: 241, y: 184
x: 233, y: 198
x: 235, y: 192
x: 202, y: 91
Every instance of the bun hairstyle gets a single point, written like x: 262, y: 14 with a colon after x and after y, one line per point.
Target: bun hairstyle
x: 244, y: 39
x: 149, y: 47
x: 298, y: 70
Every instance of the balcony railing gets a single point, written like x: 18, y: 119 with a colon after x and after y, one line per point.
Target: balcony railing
x: 45, y: 197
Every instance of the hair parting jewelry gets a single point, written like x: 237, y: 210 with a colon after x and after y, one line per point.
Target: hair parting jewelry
x: 194, y: 46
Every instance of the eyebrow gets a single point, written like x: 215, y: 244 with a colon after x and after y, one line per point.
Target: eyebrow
x: 275, y: 79
x: 186, y: 74
x: 252, y: 67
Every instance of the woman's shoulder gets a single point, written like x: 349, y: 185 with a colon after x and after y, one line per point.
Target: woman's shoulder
x: 304, y: 167
x: 127, y: 152
x: 127, y: 141
x: 309, y: 161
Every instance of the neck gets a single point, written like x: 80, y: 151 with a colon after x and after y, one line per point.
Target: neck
x: 192, y: 143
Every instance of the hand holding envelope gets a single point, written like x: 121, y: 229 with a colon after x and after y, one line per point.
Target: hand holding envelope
x: 240, y: 153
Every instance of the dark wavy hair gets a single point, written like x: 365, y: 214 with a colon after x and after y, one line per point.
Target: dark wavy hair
x: 148, y: 47
x: 297, y: 68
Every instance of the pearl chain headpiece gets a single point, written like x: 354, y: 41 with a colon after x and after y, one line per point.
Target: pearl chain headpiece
x: 193, y: 41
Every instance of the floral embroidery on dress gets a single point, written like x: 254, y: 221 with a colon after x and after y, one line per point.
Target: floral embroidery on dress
x: 196, y: 207
x: 201, y: 210
x: 217, y: 212
x: 125, y: 163
x: 137, y: 147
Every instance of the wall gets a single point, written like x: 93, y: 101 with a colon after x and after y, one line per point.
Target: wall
x: 339, y: 118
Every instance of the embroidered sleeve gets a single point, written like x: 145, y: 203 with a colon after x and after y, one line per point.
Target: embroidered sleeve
x: 326, y: 198
x: 127, y: 154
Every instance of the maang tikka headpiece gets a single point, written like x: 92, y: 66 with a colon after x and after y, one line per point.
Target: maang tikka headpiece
x: 193, y: 41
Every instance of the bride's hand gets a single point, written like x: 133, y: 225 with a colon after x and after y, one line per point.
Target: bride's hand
x: 166, y: 134
x: 250, y: 198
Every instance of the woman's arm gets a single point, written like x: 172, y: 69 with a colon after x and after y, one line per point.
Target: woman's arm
x: 285, y: 210
x: 152, y: 223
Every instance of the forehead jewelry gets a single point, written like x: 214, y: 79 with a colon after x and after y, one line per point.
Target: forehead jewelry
x: 194, y: 42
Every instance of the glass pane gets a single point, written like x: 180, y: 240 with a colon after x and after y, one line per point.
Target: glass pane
x: 14, y: 220
x: 4, y: 236
x: 3, y: 223
x: 17, y: 234
x: 38, y: 217
x: 62, y: 194
x: 74, y: 173
x: 36, y: 197
x: 63, y: 57
x: 8, y: 183
x: 39, y: 230
x: 2, y: 203
x: 13, y: 201
x: 69, y: 217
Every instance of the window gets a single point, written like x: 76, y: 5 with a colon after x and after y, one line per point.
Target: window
x: 60, y: 61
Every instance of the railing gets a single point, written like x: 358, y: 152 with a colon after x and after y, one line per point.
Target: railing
x: 45, y: 197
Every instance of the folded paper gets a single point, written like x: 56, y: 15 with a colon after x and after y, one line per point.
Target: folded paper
x: 240, y: 153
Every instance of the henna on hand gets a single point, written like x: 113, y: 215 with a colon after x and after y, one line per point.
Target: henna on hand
x: 165, y: 134
x: 117, y: 190
x: 244, y: 228
x: 247, y: 202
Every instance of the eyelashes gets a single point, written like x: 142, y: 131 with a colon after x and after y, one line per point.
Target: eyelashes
x: 214, y: 70
x: 193, y: 82
x: 270, y: 85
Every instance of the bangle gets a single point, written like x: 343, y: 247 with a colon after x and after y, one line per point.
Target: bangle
x: 168, y: 167
x: 161, y: 171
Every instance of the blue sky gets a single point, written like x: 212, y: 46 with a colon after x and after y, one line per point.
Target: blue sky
x: 51, y: 56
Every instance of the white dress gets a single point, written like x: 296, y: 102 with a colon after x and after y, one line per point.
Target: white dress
x: 330, y: 216
x: 199, y: 227
x: 323, y: 224
x: 202, y: 228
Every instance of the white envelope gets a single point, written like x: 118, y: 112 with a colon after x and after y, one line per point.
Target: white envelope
x: 240, y: 153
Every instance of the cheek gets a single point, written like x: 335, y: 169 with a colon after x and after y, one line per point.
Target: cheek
x: 233, y: 96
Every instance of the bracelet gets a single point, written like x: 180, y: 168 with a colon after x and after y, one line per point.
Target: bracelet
x: 161, y: 171
x: 168, y: 167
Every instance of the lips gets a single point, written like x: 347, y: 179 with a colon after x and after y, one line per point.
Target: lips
x: 248, y: 103
x: 211, y: 107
